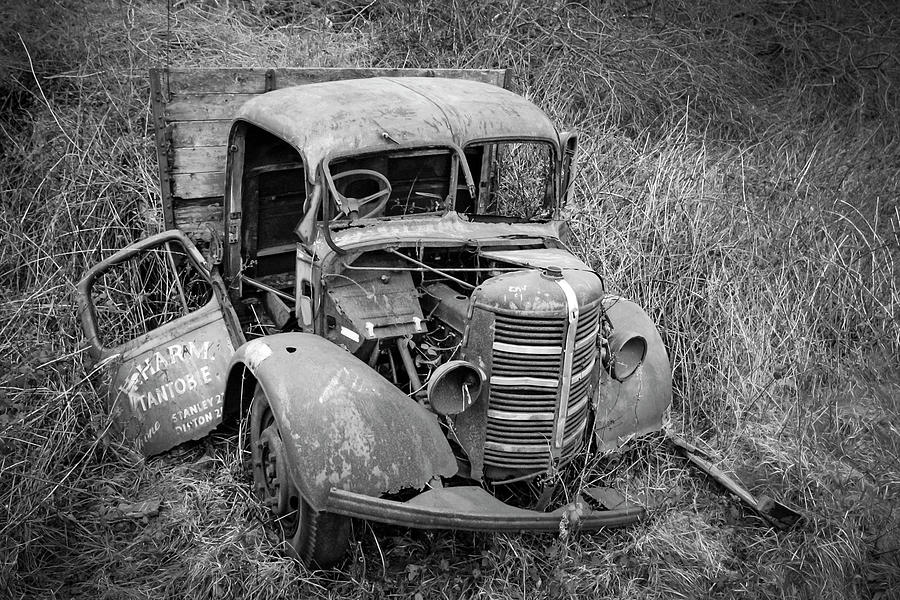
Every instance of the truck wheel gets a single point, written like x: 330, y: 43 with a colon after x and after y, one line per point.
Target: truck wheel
x: 313, y: 537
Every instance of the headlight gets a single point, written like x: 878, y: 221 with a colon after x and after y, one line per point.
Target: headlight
x: 454, y: 386
x: 627, y: 352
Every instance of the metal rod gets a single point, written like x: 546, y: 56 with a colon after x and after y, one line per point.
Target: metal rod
x: 373, y: 358
x: 432, y: 269
x: 184, y: 303
x: 421, y: 269
x: 266, y: 288
x: 414, y: 381
x: 773, y: 512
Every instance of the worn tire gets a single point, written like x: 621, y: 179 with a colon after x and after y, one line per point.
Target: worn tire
x: 319, y: 538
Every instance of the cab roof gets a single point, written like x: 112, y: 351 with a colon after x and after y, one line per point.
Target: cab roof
x: 337, y: 118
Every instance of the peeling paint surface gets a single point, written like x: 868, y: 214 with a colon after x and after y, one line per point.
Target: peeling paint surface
x: 343, y: 424
x: 168, y: 387
x: 354, y: 115
x: 531, y: 293
x: 257, y: 351
x: 636, y: 405
x: 538, y: 258
x: 448, y: 229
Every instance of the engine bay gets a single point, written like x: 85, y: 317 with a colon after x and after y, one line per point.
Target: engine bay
x: 516, y: 327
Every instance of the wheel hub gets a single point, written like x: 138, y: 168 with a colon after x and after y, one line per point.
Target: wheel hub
x: 276, y: 489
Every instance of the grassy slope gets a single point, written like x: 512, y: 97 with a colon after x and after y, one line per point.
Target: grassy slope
x: 739, y: 178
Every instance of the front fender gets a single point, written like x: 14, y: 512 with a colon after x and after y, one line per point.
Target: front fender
x: 638, y: 404
x: 343, y: 425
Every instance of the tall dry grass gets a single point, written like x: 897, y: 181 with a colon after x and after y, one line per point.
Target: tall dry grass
x: 739, y: 178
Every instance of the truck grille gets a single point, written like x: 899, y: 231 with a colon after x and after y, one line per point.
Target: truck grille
x: 527, y: 368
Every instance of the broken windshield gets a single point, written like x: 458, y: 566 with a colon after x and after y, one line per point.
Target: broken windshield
x: 399, y: 183
x: 515, y: 180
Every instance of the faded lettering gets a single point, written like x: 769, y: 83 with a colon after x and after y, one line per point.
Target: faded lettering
x: 147, y: 435
x: 197, y: 414
x: 176, y: 355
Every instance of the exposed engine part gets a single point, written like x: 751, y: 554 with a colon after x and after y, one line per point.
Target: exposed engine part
x: 372, y: 303
x: 432, y: 269
x: 415, y: 383
x: 513, y: 367
x: 442, y: 302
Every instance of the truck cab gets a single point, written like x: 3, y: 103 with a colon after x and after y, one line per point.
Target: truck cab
x: 384, y: 294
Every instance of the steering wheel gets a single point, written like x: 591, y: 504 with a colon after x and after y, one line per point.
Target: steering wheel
x: 352, y: 205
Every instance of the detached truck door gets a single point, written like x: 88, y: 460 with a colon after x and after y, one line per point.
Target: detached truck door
x: 161, y: 330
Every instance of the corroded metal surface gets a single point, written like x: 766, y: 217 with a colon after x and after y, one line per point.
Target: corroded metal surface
x: 167, y: 385
x: 449, y: 229
x: 376, y: 303
x: 638, y: 404
x: 348, y: 435
x: 169, y: 389
x: 344, y: 426
x: 538, y: 258
x: 542, y: 345
x: 473, y: 508
x: 382, y: 113
x: 772, y: 511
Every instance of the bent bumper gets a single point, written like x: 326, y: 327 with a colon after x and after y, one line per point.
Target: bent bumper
x: 471, y: 508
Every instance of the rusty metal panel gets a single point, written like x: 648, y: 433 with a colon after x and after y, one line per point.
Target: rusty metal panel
x: 375, y: 303
x: 638, y: 404
x: 159, y: 326
x: 346, y: 117
x: 473, y: 508
x: 344, y: 426
x: 194, y: 108
x: 538, y: 258
x: 447, y: 229
x: 469, y: 426
x: 169, y: 389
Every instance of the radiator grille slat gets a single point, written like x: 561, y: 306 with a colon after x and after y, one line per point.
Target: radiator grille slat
x: 533, y: 348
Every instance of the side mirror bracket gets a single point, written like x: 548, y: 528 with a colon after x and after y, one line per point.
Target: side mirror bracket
x: 568, y: 166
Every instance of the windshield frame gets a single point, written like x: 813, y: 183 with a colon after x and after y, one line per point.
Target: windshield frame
x: 458, y: 160
x: 555, y: 166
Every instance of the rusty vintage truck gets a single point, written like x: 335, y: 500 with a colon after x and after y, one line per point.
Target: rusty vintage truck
x: 367, y: 270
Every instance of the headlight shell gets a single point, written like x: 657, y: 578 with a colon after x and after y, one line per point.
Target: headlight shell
x: 628, y: 351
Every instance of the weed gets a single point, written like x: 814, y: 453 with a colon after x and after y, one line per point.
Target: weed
x: 739, y: 177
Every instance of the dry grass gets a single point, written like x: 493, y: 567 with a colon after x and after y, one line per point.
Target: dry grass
x: 740, y: 176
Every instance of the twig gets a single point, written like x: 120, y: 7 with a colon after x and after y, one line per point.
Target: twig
x: 41, y: 90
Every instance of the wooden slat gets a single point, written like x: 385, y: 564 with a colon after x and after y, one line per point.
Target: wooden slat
x: 204, y: 107
x: 200, y: 159
x: 191, y: 134
x: 194, y: 218
x: 161, y: 135
x: 253, y: 81
x: 197, y: 185
x: 289, y: 77
x: 203, y: 81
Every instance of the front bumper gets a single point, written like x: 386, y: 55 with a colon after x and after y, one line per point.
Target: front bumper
x: 472, y: 508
